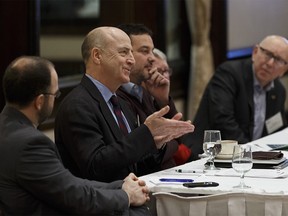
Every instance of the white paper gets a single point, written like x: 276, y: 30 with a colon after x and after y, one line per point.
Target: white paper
x: 255, y: 173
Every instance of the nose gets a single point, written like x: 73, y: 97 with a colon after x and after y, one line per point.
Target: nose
x: 151, y: 57
x: 271, y: 61
x: 131, y: 59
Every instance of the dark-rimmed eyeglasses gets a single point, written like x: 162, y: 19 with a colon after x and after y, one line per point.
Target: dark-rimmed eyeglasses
x: 56, y: 95
x: 268, y: 55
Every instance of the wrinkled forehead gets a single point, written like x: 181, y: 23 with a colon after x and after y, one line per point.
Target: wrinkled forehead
x: 276, y: 44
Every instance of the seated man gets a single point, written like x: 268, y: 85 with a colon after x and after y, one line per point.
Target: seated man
x: 154, y: 95
x: 33, y: 180
x: 245, y: 98
x: 97, y: 138
x: 183, y: 153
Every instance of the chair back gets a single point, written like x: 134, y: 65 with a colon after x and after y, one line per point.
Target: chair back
x: 228, y: 204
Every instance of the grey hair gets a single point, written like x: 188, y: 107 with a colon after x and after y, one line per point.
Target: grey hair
x: 159, y: 54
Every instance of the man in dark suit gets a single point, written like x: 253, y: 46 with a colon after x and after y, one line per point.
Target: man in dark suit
x: 87, y: 132
x: 245, y: 99
x: 144, y: 101
x: 33, y: 180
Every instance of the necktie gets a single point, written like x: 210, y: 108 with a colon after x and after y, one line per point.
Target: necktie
x: 118, y: 114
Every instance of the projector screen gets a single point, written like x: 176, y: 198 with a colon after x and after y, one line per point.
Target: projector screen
x: 249, y: 21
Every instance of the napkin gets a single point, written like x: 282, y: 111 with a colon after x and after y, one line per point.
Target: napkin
x: 264, y: 155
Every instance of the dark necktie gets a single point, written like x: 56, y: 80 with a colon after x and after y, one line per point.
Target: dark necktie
x: 118, y: 114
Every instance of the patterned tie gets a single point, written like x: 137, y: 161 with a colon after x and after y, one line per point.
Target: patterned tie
x: 118, y: 113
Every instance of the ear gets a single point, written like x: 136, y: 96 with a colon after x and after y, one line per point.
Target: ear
x: 39, y: 102
x: 96, y: 55
x: 254, y: 52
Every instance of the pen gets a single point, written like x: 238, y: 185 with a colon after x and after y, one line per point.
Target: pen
x: 175, y: 180
x: 189, y: 171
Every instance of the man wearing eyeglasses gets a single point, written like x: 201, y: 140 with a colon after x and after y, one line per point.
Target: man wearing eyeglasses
x: 33, y: 180
x: 245, y: 99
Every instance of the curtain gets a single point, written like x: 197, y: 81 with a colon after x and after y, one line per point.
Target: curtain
x: 201, y: 69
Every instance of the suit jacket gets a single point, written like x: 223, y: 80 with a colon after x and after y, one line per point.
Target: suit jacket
x: 33, y: 181
x: 143, y: 110
x: 227, y: 105
x: 89, y: 140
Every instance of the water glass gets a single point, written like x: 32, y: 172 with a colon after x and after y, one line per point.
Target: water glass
x: 242, y: 162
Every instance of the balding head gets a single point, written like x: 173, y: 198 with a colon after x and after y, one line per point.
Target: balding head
x: 99, y: 37
x: 270, y: 59
x: 25, y: 78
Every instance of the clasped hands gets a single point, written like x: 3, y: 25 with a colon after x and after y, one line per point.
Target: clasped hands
x: 136, y: 189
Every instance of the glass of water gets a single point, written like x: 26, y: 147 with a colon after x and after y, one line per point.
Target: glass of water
x: 242, y: 162
x: 212, y: 146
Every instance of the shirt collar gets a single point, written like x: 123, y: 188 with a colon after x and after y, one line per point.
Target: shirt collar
x: 257, y: 85
x: 133, y: 89
x: 106, y: 93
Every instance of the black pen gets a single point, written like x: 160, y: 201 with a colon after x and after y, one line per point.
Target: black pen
x: 189, y: 171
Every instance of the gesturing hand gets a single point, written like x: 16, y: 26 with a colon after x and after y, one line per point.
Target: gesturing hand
x: 164, y: 130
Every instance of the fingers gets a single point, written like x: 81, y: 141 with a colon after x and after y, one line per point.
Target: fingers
x: 131, y: 176
x: 156, y: 78
x: 178, y: 116
x: 161, y: 112
x: 145, y: 190
x: 141, y: 183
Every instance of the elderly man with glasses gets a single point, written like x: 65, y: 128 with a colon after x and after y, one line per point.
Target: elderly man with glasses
x: 245, y: 98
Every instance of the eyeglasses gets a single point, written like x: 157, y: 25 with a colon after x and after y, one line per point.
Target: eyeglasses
x: 268, y: 55
x: 165, y: 71
x: 56, y: 95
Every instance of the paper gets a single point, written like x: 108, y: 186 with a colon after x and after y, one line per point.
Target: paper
x: 255, y: 173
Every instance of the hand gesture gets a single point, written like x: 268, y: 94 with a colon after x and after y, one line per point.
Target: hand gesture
x: 164, y: 130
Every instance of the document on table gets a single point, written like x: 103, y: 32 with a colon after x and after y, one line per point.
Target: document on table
x: 255, y: 173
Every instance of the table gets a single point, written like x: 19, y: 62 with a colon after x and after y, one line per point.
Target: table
x: 226, y: 183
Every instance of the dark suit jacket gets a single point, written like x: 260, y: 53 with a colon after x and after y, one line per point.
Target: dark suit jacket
x: 89, y: 140
x: 227, y: 105
x: 33, y: 181
x: 143, y: 110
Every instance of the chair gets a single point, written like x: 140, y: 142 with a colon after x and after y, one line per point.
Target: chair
x: 228, y: 204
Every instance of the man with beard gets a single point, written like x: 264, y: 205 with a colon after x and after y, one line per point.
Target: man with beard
x: 33, y: 180
x: 155, y: 95
x: 96, y: 137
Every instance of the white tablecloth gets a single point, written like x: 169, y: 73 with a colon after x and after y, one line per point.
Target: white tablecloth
x: 265, y: 184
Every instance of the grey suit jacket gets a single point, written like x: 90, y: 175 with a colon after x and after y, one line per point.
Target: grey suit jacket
x: 227, y: 105
x: 33, y: 180
x: 89, y: 140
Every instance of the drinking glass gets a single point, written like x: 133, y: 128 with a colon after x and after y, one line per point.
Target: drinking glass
x: 242, y: 162
x: 212, y: 146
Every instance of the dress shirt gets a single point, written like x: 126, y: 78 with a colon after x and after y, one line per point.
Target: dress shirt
x: 259, y: 97
x: 134, y: 90
x: 107, y: 94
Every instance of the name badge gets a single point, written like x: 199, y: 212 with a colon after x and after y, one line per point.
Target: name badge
x: 274, y: 123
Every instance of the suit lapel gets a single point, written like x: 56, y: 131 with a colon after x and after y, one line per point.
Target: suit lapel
x: 249, y: 85
x: 104, y: 109
x: 128, y: 114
